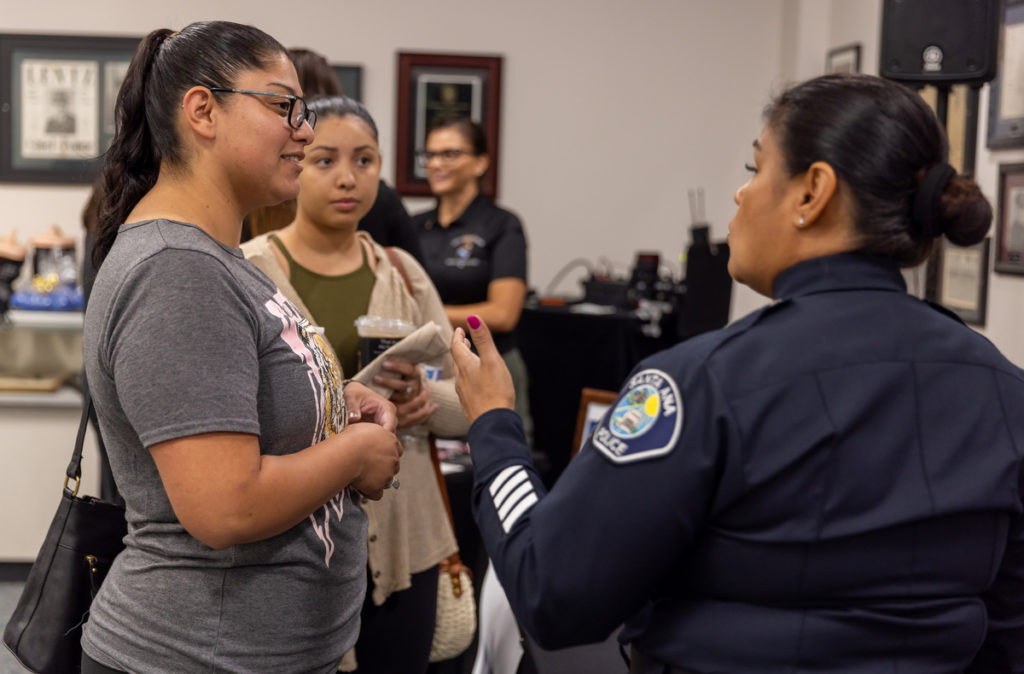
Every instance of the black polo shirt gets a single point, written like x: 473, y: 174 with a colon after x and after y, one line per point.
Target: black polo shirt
x: 483, y: 244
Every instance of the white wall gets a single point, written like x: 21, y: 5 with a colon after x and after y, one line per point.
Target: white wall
x: 611, y: 111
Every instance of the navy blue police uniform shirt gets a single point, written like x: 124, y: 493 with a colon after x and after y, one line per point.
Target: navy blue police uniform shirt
x: 483, y: 244
x: 831, y: 484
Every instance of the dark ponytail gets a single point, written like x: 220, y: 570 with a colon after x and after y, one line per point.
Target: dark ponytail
x: 165, y: 66
x: 883, y: 142
x: 131, y: 165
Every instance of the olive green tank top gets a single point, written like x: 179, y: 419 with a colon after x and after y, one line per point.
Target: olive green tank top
x: 335, y: 302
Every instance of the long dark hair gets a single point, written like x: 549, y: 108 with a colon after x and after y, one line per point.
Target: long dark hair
x: 316, y: 77
x: 165, y: 66
x: 881, y: 139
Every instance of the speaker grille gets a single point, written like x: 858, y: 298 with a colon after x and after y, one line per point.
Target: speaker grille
x: 940, y: 40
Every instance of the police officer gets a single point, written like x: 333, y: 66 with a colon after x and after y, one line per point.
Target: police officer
x: 830, y: 484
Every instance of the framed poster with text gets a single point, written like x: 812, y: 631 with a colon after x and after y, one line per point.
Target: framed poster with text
x: 57, y: 98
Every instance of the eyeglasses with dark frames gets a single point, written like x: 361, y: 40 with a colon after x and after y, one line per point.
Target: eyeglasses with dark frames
x: 298, y: 111
x: 447, y: 157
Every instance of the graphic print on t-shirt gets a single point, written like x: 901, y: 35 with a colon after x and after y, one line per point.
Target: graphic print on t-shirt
x: 325, y: 381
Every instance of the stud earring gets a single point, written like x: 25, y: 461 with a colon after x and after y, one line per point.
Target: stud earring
x: 801, y: 221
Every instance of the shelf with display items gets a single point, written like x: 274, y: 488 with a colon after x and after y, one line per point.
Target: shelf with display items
x: 53, y: 285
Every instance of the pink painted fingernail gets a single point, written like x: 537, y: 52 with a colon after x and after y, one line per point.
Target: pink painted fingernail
x: 474, y: 322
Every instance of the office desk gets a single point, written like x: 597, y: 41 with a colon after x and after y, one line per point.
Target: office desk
x: 565, y: 351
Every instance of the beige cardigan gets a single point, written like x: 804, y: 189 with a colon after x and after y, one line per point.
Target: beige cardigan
x: 409, y: 530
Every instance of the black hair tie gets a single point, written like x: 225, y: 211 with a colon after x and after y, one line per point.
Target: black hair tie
x: 926, y: 200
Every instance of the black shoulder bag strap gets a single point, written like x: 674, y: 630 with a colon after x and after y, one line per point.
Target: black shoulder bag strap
x: 74, y: 471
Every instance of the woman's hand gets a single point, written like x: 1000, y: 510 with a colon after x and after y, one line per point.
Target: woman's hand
x: 379, y: 452
x: 483, y: 382
x: 410, y: 396
x: 365, y: 405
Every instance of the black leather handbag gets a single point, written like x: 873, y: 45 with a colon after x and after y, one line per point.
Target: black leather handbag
x: 45, y: 630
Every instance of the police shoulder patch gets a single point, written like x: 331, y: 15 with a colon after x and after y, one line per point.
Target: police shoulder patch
x: 644, y: 421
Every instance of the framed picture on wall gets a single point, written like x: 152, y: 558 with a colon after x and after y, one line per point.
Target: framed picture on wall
x: 1010, y: 220
x: 593, y: 405
x: 1006, y: 93
x: 961, y: 125
x: 435, y: 85
x: 57, y: 96
x: 963, y: 280
x: 351, y: 79
x: 845, y: 59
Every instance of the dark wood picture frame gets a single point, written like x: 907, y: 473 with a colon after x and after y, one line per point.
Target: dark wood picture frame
x: 433, y: 84
x: 57, y: 97
x: 1006, y: 128
x: 351, y: 79
x: 594, y: 403
x: 844, y: 59
x: 1010, y: 220
x: 963, y: 280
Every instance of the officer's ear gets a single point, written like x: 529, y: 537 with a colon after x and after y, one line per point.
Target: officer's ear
x: 819, y: 194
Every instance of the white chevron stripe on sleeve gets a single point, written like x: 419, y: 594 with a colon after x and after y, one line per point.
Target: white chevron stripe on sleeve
x: 522, y: 507
x: 514, y: 498
x: 499, y: 480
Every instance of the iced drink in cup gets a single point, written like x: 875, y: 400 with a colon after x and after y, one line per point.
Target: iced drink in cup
x: 377, y: 335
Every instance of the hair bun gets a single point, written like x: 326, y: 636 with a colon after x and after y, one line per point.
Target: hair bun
x: 964, y: 214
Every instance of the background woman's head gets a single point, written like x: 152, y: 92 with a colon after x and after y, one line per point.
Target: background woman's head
x: 165, y: 66
x: 455, y: 156
x: 341, y: 172
x: 881, y: 139
x: 316, y: 76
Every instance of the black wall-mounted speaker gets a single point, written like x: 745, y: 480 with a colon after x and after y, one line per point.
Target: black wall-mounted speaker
x: 940, y: 41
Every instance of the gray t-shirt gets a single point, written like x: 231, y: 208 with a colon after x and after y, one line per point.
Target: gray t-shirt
x: 184, y: 336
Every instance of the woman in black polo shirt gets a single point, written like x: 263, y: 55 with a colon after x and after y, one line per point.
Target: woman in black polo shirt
x: 474, y: 251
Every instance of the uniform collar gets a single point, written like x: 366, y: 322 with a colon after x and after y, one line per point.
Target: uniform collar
x: 479, y: 203
x: 847, y: 271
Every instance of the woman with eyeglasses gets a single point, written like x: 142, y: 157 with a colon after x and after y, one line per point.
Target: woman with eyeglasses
x: 474, y: 250
x: 226, y: 421
x: 387, y: 221
x: 334, y: 274
x: 831, y: 484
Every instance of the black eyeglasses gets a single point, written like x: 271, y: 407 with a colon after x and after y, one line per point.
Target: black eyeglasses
x: 446, y: 156
x: 297, y: 114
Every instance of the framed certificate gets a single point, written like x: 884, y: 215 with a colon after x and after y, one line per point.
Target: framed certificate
x: 845, y: 59
x: 963, y: 280
x: 57, y: 97
x: 1006, y: 94
x: 435, y: 85
x: 1010, y: 220
x: 351, y: 80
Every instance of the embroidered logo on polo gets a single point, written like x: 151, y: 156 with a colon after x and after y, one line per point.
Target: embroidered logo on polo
x: 645, y: 421
x: 465, y: 245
